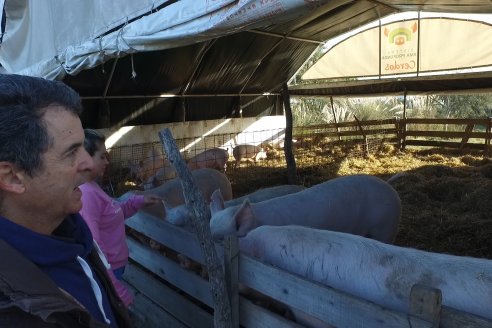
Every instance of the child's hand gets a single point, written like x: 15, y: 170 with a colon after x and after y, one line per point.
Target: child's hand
x: 152, y: 200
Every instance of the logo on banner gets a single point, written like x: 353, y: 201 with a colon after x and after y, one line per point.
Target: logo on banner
x: 399, y: 48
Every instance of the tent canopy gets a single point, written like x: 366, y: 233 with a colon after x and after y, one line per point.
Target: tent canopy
x: 147, y: 62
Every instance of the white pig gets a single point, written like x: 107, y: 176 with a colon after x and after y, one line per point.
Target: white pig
x: 375, y: 271
x: 215, y: 158
x: 249, y: 152
x: 359, y: 204
x: 264, y: 194
x: 180, y: 215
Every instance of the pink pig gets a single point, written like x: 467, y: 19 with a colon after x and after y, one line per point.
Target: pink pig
x: 215, y: 158
x: 249, y: 152
x: 358, y: 204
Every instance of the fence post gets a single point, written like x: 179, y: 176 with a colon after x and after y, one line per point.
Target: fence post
x: 366, y: 144
x: 289, y: 155
x: 195, y: 201
x: 335, y: 119
x: 425, y: 304
x: 488, y: 136
x: 231, y: 272
x: 403, y: 133
x: 466, y: 136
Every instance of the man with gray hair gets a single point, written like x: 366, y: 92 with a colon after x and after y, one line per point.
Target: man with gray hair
x: 51, y: 274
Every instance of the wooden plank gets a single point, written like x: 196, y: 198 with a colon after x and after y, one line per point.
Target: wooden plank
x: 368, y: 132
x: 452, y: 318
x: 170, y: 271
x: 425, y: 303
x: 322, y: 302
x: 257, y: 317
x: 445, y: 134
x: 168, y: 299
x: 441, y: 144
x: 146, y: 313
x: 334, y: 126
x: 461, y: 121
x: 169, y: 235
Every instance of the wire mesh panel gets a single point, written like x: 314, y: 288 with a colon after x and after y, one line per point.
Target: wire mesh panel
x: 314, y: 147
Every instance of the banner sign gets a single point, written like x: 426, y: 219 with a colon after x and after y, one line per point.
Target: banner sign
x: 399, y: 47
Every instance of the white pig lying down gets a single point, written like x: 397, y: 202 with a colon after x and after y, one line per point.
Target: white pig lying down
x: 180, y: 215
x: 359, y: 204
x: 378, y: 272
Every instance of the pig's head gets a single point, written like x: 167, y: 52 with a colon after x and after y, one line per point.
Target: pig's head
x: 235, y: 220
x: 179, y: 215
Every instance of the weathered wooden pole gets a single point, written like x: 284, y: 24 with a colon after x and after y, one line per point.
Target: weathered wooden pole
x: 335, y: 119
x: 366, y: 143
x: 289, y: 155
x: 195, y: 201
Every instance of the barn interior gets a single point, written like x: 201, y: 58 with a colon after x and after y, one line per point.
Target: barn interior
x: 176, y: 63
x: 136, y: 66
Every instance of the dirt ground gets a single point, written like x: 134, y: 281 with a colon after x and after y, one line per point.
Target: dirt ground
x: 446, y: 194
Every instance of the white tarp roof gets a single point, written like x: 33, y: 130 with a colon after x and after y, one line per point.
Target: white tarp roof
x: 409, y: 46
x: 50, y: 38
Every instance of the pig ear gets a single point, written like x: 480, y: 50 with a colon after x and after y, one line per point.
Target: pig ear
x: 166, y: 208
x: 245, y: 219
x: 216, y: 202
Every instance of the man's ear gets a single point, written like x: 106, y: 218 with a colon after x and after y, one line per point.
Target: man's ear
x: 11, y: 178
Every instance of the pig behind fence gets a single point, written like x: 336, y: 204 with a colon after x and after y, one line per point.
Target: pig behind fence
x: 247, y: 152
x: 215, y: 158
x: 359, y: 204
x: 151, y: 171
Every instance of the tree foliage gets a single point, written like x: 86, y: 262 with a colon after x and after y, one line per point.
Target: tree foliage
x: 308, y: 111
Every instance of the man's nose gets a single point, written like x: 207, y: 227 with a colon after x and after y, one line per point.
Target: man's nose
x: 86, y: 161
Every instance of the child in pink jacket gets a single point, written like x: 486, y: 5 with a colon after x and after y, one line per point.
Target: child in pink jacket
x: 105, y: 216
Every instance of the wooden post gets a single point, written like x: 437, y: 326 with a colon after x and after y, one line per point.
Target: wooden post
x: 366, y: 144
x: 425, y: 304
x: 405, y: 105
x: 201, y: 217
x: 289, y: 156
x: 488, y: 136
x: 231, y: 268
x: 399, y: 142
x: 468, y: 130
x: 404, y: 125
x: 403, y: 131
x: 335, y: 119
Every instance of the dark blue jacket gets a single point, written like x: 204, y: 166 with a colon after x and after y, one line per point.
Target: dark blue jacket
x: 42, y: 281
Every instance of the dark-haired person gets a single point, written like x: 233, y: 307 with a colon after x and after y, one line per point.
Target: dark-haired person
x: 51, y: 274
x: 106, y: 216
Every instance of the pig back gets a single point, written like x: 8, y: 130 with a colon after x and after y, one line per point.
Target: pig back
x: 206, y: 180
x: 215, y: 158
x: 245, y: 151
x: 375, y: 271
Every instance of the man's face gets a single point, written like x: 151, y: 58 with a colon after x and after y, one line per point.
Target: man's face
x: 54, y: 191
